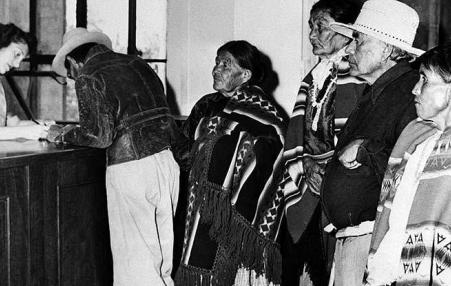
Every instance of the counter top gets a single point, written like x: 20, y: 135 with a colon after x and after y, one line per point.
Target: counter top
x: 15, y: 150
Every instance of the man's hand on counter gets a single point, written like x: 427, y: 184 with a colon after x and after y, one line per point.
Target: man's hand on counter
x: 56, y: 132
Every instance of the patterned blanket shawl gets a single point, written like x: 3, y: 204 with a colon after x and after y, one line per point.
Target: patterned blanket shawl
x: 416, y: 189
x: 230, y: 230
x: 310, y: 139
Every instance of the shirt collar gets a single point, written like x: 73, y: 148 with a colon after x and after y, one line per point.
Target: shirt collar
x: 389, y: 76
x: 96, y: 50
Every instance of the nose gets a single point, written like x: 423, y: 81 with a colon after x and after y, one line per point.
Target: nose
x: 312, y: 34
x: 417, y: 89
x: 350, y: 49
x: 215, y: 70
x: 16, y: 63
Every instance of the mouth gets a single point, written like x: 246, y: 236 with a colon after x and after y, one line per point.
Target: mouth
x: 315, y: 43
x: 316, y: 46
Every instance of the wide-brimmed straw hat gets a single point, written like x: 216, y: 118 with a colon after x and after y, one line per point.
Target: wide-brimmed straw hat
x: 73, y: 39
x: 390, y: 21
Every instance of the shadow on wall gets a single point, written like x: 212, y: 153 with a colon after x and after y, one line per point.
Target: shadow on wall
x: 271, y: 78
x: 170, y: 98
x: 271, y: 81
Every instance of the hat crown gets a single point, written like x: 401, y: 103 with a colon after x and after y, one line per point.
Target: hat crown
x: 73, y: 39
x: 76, y: 32
x: 389, y: 18
x: 82, y: 33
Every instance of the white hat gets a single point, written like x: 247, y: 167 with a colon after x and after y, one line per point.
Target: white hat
x: 73, y: 39
x: 390, y: 21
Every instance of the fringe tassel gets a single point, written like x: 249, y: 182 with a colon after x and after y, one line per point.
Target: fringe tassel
x: 243, y: 242
x: 191, y: 276
x: 246, y: 277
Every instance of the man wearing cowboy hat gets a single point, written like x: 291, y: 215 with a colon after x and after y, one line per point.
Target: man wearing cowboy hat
x: 122, y: 108
x: 383, y: 35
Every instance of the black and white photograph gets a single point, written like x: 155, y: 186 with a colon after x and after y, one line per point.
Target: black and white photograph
x: 225, y: 143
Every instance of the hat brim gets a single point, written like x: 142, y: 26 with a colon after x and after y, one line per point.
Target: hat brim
x: 346, y: 29
x: 73, y: 43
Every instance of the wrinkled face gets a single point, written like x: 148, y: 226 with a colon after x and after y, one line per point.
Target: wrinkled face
x: 227, y: 74
x: 11, y: 56
x: 432, y: 95
x: 324, y: 40
x: 366, y: 55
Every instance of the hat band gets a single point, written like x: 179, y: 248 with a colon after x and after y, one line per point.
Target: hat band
x: 385, y: 34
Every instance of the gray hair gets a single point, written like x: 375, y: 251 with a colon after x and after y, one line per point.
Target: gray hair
x: 399, y: 55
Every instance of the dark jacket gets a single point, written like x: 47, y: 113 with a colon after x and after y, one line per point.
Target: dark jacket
x: 350, y: 197
x: 122, y: 107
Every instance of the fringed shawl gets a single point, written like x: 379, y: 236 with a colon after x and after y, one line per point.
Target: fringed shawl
x: 230, y: 216
x: 425, y: 254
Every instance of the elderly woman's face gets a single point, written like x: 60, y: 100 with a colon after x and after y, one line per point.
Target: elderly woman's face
x: 324, y: 40
x: 11, y: 56
x: 227, y: 74
x: 432, y: 95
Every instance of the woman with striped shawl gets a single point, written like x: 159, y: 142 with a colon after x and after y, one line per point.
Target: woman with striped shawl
x: 237, y: 139
x: 326, y: 97
x: 411, y: 243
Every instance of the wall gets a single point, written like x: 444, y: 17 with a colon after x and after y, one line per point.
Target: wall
x: 49, y: 31
x: 15, y: 11
x: 196, y: 28
x: 193, y: 37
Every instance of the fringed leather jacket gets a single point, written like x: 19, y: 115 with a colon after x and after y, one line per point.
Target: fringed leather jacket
x: 122, y: 107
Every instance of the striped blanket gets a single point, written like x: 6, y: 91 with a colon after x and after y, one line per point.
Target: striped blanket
x: 416, y: 189
x: 320, y: 108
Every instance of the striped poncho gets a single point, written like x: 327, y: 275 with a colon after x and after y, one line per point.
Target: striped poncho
x: 230, y: 231
x: 324, y: 101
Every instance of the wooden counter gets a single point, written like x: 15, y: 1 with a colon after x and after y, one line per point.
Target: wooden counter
x: 53, y: 217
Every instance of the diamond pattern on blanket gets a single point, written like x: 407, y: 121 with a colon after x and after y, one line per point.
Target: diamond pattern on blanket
x: 270, y: 218
x: 189, y: 214
x: 240, y: 161
x: 257, y: 100
x: 213, y: 124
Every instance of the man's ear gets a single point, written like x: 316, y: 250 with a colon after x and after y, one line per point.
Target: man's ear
x: 388, y: 51
x: 71, y: 60
x: 247, y: 75
x: 448, y: 92
x: 76, y: 65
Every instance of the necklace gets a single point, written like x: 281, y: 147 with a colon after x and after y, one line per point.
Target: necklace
x: 318, y: 104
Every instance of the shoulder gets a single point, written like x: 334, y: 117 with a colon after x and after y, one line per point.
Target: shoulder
x: 408, y: 78
x: 253, y: 100
x: 400, y: 89
x: 253, y: 106
x: 211, y: 101
x: 89, y: 81
x: 406, y: 81
x: 207, y: 105
x: 211, y: 97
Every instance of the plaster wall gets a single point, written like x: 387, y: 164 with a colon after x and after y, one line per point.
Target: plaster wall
x: 196, y: 28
